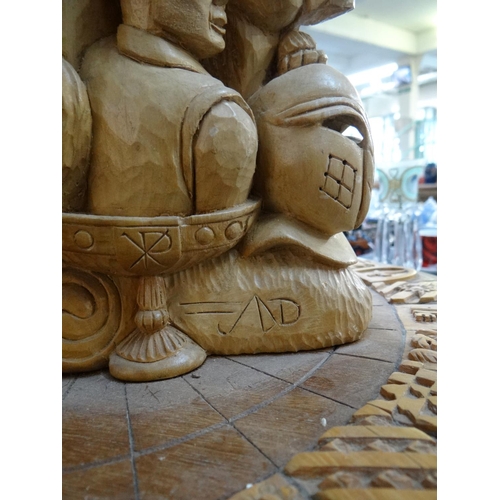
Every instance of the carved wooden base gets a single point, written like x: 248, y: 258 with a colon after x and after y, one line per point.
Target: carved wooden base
x: 155, y: 349
x: 281, y: 405
x: 97, y: 313
x: 164, y: 354
x: 278, y: 301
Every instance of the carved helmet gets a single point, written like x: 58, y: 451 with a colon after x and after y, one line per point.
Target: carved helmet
x: 306, y: 167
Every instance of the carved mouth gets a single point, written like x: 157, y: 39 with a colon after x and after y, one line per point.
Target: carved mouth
x: 218, y: 26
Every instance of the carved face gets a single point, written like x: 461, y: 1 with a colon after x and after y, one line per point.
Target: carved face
x: 270, y: 15
x: 196, y: 25
x: 306, y: 167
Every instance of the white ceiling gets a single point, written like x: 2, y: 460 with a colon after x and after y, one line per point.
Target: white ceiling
x: 379, y: 32
x: 411, y: 15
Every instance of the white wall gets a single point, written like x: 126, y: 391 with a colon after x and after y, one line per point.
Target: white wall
x: 384, y: 104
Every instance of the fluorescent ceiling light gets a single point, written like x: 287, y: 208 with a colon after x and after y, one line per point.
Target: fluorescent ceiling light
x: 372, y: 90
x: 427, y: 77
x: 374, y: 74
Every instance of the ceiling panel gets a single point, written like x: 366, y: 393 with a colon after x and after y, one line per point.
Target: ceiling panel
x: 412, y: 15
x: 351, y: 55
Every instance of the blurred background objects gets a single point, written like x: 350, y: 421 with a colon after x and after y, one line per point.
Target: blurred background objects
x: 388, y: 50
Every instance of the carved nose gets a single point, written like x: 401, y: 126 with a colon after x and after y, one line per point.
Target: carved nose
x: 218, y: 17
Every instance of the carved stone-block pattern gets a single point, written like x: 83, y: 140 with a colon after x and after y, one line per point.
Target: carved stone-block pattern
x: 369, y: 462
x: 409, y: 293
x: 428, y: 315
x: 410, y: 395
x: 375, y: 274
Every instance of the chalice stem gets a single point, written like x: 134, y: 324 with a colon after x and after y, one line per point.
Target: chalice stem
x: 155, y: 349
x: 152, y: 315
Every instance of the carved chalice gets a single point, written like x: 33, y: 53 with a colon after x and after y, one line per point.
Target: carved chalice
x: 168, y: 154
x: 160, y: 159
x: 128, y: 253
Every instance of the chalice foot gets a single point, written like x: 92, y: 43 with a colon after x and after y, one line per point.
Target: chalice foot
x: 156, y: 349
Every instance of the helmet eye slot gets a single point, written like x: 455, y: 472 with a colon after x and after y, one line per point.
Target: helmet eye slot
x: 336, y: 123
x: 344, y: 126
x: 354, y: 134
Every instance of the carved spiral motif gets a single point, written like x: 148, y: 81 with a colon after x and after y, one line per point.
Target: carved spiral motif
x: 91, y: 318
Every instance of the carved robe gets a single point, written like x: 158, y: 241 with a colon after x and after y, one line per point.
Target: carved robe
x: 148, y: 99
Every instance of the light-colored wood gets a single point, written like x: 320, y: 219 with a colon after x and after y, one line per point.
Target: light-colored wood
x: 393, y: 391
x: 182, y: 441
x: 140, y: 168
x: 400, y: 433
x: 401, y: 422
x: 410, y: 395
x: 259, y: 32
x: 137, y: 246
x: 313, y: 464
x: 364, y: 415
x: 332, y: 193
x: 84, y: 22
x: 423, y: 341
x: 375, y: 494
x: 277, y: 301
x: 410, y: 366
x: 76, y: 139
x: 188, y: 128
x: 385, y: 274
x: 400, y: 378
x: 298, y: 49
x: 371, y: 432
x: 427, y: 315
x: 423, y: 355
x: 98, y: 313
x: 156, y: 349
x: 388, y: 406
x: 202, y: 233
x: 406, y: 293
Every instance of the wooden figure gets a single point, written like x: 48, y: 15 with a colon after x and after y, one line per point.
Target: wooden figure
x: 206, y: 187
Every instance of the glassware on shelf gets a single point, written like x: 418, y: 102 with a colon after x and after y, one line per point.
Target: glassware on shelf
x: 397, y: 240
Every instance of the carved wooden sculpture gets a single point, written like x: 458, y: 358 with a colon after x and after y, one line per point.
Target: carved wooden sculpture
x: 263, y: 40
x: 165, y: 255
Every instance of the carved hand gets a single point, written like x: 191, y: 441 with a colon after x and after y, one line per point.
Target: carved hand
x: 298, y: 49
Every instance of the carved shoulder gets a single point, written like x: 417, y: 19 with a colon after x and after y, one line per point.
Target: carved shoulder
x: 225, y: 155
x: 76, y: 138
